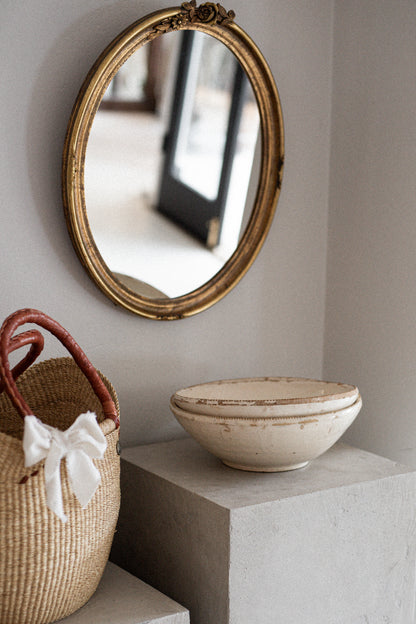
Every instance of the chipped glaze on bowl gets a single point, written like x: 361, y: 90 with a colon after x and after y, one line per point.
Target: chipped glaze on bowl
x: 267, y: 444
x: 266, y: 396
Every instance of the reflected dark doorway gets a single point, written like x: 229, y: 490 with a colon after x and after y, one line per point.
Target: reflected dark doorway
x: 201, y: 141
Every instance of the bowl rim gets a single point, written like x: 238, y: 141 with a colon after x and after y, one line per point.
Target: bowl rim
x: 294, y: 419
x: 349, y: 390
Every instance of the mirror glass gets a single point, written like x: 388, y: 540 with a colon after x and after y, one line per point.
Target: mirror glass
x: 172, y: 152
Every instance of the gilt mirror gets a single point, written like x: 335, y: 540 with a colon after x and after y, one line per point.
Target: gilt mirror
x: 173, y: 161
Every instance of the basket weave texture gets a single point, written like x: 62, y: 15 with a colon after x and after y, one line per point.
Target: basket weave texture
x: 49, y: 569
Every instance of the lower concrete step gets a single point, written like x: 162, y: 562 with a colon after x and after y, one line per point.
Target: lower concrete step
x: 123, y: 599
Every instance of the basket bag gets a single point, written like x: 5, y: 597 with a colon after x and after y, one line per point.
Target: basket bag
x: 58, y: 515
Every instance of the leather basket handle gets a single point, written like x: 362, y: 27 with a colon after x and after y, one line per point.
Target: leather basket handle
x: 36, y: 317
x: 32, y: 337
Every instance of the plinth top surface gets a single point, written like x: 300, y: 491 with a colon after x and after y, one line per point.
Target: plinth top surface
x: 186, y: 464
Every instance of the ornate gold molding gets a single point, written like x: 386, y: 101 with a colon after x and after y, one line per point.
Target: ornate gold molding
x: 208, y: 14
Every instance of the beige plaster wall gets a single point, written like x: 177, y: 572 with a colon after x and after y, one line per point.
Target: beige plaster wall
x: 273, y: 322
x: 370, y: 326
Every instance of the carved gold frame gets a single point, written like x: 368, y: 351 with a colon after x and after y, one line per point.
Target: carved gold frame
x: 215, y: 20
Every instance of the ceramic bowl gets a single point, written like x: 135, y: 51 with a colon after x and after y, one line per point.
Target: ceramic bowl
x: 266, y: 396
x: 267, y: 444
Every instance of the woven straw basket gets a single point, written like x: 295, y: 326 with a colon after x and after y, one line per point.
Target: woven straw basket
x: 50, y: 568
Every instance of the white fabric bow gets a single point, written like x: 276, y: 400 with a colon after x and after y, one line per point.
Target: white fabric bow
x: 81, y: 442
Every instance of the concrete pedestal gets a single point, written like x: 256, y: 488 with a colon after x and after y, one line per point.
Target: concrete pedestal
x: 333, y: 543
x: 123, y: 599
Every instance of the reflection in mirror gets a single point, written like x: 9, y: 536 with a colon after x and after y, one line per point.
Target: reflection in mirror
x: 168, y: 163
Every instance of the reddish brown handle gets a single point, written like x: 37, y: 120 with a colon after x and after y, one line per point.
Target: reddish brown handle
x: 32, y: 337
x: 39, y: 318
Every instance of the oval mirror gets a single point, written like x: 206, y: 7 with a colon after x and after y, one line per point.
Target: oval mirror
x: 173, y: 161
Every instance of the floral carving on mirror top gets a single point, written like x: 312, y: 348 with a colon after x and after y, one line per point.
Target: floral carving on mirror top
x: 208, y: 13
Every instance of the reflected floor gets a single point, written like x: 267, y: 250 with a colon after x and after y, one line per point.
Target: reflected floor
x: 120, y: 181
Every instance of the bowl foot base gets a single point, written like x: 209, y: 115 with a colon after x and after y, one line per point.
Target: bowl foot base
x: 265, y: 468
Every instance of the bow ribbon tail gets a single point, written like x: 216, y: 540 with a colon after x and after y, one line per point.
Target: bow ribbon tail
x: 84, y: 477
x: 53, y: 481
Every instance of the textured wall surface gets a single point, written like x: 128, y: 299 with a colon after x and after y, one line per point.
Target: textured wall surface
x: 272, y: 323
x: 370, y: 327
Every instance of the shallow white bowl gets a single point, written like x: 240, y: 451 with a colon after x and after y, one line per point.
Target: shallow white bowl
x: 266, y: 396
x: 267, y: 444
